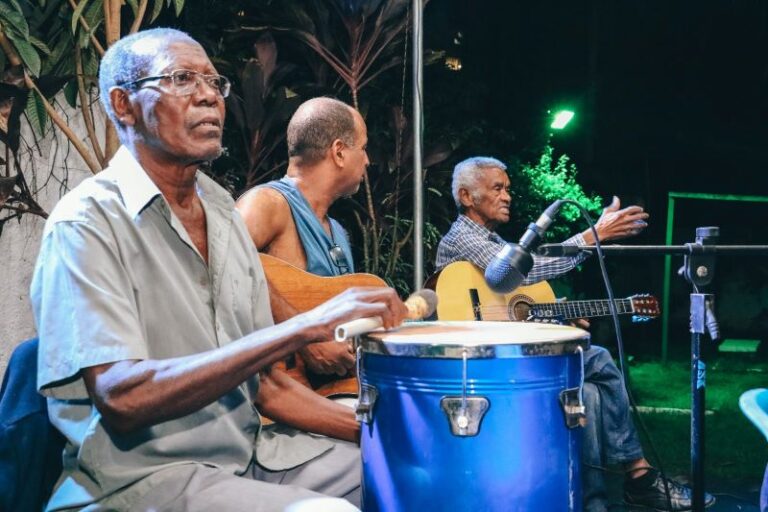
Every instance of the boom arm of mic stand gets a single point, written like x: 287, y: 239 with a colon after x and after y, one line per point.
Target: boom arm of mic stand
x: 639, y: 250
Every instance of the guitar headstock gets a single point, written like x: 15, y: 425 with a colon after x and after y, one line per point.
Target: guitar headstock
x: 644, y: 307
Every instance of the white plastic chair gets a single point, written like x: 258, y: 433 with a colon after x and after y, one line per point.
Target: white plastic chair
x: 754, y: 405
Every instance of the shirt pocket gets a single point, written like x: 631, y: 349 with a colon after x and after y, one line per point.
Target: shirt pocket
x: 240, y: 308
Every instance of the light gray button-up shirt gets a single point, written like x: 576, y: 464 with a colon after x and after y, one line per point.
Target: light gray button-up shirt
x: 119, y: 278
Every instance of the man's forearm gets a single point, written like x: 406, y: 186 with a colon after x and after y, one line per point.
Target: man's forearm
x: 288, y: 402
x: 136, y: 394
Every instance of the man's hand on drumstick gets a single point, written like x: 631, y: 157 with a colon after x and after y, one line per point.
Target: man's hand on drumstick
x: 354, y: 303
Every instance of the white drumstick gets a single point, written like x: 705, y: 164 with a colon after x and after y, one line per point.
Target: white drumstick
x: 357, y: 327
x: 420, y: 304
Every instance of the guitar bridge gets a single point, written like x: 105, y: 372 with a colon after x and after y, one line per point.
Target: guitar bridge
x: 475, y: 299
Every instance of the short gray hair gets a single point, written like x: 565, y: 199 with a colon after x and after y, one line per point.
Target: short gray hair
x: 128, y: 60
x: 315, y: 125
x: 467, y: 173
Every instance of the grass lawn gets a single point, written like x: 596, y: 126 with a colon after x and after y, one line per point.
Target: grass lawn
x: 735, y: 451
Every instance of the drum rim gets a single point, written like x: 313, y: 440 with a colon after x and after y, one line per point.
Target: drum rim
x: 457, y: 351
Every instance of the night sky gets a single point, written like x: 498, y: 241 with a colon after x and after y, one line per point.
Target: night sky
x: 669, y: 96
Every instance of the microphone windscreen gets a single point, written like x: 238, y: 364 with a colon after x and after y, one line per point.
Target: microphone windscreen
x: 502, y: 277
x: 508, y: 268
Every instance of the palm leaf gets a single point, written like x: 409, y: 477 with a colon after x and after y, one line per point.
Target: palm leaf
x: 158, y: 6
x: 134, y: 7
x: 26, y: 51
x: 94, y: 14
x: 14, y: 19
x: 70, y: 93
x: 178, y: 5
x: 77, y: 13
x: 39, y: 45
x: 36, y: 114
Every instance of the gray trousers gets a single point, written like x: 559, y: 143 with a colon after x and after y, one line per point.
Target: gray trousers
x: 196, y: 487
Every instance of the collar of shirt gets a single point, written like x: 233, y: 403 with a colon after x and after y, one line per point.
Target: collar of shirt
x: 139, y: 191
x: 465, y: 223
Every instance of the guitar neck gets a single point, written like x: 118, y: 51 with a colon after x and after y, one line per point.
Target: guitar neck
x: 571, y: 310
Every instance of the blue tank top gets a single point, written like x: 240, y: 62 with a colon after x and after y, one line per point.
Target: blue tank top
x: 326, y: 255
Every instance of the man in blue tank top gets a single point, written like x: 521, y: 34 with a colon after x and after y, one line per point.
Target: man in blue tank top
x: 288, y: 218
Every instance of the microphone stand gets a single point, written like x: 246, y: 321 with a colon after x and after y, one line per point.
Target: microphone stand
x: 699, y: 270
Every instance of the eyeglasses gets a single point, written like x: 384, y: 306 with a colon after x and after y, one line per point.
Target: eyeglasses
x: 184, y: 82
x: 339, y: 259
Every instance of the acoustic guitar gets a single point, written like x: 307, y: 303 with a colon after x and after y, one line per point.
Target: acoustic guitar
x: 464, y: 295
x: 303, y: 291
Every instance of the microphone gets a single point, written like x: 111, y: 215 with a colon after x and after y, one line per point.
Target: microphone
x: 420, y: 304
x: 509, y: 267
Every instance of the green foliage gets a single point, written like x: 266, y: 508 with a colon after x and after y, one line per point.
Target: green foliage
x: 539, y: 184
x: 280, y: 54
x: 36, y: 114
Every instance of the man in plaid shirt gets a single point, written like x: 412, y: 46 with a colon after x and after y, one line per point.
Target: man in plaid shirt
x: 480, y: 188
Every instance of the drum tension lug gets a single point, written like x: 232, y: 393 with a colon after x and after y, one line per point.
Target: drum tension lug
x: 573, y: 408
x: 366, y: 402
x: 464, y: 413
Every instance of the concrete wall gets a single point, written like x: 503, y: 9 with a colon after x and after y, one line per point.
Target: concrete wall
x: 51, y: 169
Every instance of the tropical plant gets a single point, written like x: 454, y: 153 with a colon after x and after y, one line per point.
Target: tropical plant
x: 539, y: 184
x: 52, y: 45
x: 344, y: 48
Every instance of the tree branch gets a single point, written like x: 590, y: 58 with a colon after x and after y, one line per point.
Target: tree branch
x: 95, y: 42
x: 62, y: 125
x: 9, y: 50
x: 139, y: 17
x: 85, y: 108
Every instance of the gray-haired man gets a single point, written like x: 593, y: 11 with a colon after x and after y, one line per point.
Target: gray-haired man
x: 154, y: 318
x: 481, y: 191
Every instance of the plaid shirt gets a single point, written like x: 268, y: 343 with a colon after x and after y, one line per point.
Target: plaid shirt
x: 469, y: 241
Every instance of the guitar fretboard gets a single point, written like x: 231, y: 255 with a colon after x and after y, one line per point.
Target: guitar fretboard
x: 571, y: 310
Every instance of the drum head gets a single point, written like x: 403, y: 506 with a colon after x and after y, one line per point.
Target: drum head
x: 476, y: 339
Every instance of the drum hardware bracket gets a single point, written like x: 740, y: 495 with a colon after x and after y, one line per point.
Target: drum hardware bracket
x: 573, y: 408
x: 367, y: 394
x: 465, y: 413
x: 572, y: 399
x: 365, y: 404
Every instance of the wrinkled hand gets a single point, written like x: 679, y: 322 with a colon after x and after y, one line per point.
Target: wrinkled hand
x: 329, y: 357
x: 354, y: 303
x: 614, y: 223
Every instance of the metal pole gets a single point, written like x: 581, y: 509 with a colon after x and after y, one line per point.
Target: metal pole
x: 698, y: 401
x: 418, y: 129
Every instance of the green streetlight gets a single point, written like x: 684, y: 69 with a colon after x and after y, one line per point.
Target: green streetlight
x: 561, y: 119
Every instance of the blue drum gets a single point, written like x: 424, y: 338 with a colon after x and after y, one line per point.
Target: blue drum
x: 471, y: 416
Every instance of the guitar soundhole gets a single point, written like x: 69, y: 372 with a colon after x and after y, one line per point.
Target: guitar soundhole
x: 519, y: 308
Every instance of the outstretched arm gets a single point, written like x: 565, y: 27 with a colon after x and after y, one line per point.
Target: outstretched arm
x: 617, y: 223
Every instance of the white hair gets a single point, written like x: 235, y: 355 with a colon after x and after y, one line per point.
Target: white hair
x: 466, y: 175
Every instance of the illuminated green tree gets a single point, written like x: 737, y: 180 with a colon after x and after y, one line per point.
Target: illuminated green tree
x: 537, y: 185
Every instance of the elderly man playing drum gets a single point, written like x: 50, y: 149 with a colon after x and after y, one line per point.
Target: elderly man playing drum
x: 481, y: 191
x: 155, y: 327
